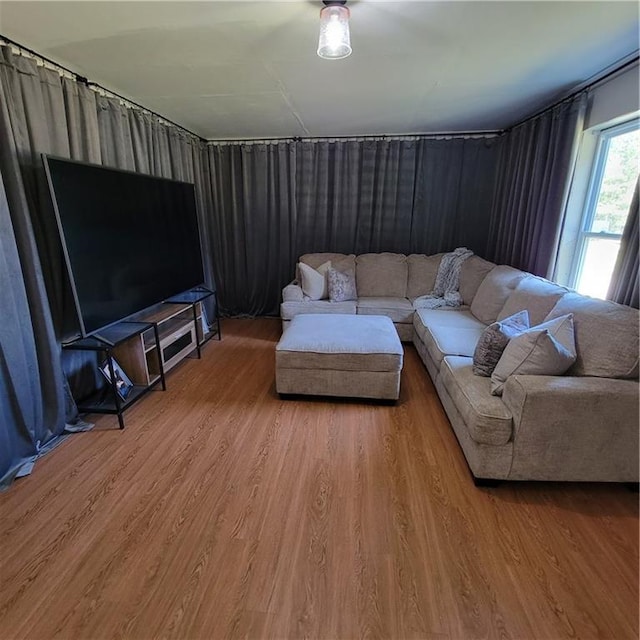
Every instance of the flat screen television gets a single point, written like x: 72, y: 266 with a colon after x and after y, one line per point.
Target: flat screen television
x: 130, y: 240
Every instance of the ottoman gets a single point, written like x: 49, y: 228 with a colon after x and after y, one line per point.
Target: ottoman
x: 340, y: 355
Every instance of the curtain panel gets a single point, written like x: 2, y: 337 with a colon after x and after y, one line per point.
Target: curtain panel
x: 43, y: 112
x: 536, y: 161
x: 252, y: 230
x: 273, y: 202
x: 625, y: 278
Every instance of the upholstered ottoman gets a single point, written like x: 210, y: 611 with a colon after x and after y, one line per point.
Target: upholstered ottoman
x: 340, y: 355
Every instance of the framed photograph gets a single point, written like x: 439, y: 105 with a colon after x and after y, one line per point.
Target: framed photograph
x: 123, y: 383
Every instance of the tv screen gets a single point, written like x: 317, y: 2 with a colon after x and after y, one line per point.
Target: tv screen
x: 130, y: 240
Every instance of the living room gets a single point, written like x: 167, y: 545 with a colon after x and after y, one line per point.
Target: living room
x: 222, y: 509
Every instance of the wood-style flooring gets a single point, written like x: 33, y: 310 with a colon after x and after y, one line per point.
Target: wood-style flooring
x: 223, y: 512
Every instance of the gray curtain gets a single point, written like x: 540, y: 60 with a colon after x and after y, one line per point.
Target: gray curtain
x: 254, y: 223
x: 454, y: 194
x: 535, y: 163
x: 42, y: 112
x: 354, y: 196
x: 274, y: 202
x: 624, y: 281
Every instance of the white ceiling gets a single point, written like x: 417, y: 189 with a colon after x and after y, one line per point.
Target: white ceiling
x: 245, y: 70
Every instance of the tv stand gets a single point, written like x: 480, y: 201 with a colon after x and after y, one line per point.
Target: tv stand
x: 147, y: 346
x: 120, y: 343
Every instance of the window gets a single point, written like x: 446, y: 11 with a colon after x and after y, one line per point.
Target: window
x: 613, y: 178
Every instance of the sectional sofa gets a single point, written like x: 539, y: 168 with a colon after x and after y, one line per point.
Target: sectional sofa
x: 580, y: 426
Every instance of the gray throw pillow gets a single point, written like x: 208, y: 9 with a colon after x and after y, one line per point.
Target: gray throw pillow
x: 548, y: 349
x: 494, y: 339
x: 341, y: 285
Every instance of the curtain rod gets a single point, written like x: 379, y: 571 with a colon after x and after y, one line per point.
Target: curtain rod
x: 78, y: 78
x: 588, y: 85
x: 476, y: 135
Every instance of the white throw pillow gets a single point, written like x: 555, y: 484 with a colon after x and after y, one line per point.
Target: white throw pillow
x: 547, y: 349
x: 314, y: 281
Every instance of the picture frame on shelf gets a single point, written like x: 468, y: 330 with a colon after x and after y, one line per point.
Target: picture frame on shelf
x: 123, y: 383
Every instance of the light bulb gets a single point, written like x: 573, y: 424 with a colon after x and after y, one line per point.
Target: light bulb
x: 335, y: 41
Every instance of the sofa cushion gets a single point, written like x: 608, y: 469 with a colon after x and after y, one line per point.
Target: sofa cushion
x: 382, y: 275
x: 472, y: 273
x: 448, y: 317
x: 537, y: 295
x: 458, y: 337
x: 289, y: 310
x: 494, y: 339
x: 486, y: 417
x: 341, y: 285
x: 606, y: 336
x: 422, y: 272
x: 494, y: 291
x: 314, y: 281
x: 545, y: 350
x: 398, y: 309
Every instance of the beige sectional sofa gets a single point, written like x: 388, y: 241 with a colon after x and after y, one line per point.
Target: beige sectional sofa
x: 581, y: 426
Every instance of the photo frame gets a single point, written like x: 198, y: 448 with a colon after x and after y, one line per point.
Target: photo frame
x: 123, y: 383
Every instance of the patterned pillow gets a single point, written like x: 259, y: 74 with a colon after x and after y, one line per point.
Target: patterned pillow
x: 548, y: 349
x: 342, y: 285
x: 494, y: 339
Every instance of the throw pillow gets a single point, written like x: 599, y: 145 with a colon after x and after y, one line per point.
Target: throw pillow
x: 342, y: 285
x: 547, y: 349
x: 314, y: 281
x: 494, y: 339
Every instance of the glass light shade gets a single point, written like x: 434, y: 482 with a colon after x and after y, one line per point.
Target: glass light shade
x: 335, y: 40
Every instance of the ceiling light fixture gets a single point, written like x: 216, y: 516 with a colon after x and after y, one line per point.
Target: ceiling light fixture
x: 335, y: 41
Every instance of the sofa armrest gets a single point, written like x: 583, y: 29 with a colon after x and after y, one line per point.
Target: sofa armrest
x: 292, y: 293
x: 573, y: 428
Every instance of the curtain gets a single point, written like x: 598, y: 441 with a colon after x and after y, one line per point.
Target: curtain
x: 454, y: 194
x: 43, y: 112
x: 624, y: 281
x: 535, y: 163
x: 354, y: 196
x: 275, y: 202
x: 40, y: 113
x: 253, y: 229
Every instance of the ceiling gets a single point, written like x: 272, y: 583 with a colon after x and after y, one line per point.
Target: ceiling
x: 247, y: 70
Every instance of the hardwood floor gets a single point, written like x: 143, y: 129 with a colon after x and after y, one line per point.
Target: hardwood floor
x: 223, y: 512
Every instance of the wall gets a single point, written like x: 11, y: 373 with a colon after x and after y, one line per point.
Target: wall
x: 615, y: 98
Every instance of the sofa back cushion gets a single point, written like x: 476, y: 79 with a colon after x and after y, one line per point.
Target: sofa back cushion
x: 606, y: 336
x: 339, y: 261
x: 422, y: 273
x: 535, y: 295
x: 472, y: 273
x: 493, y: 292
x: 382, y: 275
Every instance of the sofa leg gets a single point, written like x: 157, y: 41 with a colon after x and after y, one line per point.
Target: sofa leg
x: 485, y: 482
